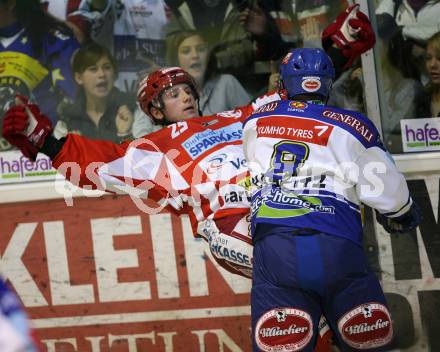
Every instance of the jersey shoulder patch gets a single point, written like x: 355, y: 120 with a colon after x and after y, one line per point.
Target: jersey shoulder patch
x: 353, y: 122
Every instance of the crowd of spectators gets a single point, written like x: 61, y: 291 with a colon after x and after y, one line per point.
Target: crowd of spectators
x: 407, y: 32
x: 433, y: 71
x: 99, y: 110
x: 35, y: 54
x: 49, y: 51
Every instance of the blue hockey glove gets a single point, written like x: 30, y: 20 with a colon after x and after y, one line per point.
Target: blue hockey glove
x: 403, y: 223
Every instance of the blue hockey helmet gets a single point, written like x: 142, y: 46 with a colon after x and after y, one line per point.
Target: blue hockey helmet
x: 307, y: 71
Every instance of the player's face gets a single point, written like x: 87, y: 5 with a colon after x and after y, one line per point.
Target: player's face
x: 98, y: 79
x: 193, y: 57
x: 179, y: 103
x: 433, y: 63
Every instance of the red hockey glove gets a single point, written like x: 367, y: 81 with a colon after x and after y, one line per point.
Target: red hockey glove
x: 351, y: 32
x: 26, y: 128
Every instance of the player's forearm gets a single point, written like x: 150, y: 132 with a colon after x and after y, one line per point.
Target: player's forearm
x: 381, y: 185
x: 79, y: 159
x: 52, y: 146
x: 338, y: 59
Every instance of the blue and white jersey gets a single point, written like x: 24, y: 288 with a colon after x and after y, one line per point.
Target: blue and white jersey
x: 313, y: 165
x: 15, y: 332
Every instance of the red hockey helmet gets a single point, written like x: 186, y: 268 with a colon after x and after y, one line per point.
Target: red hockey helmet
x: 152, y: 86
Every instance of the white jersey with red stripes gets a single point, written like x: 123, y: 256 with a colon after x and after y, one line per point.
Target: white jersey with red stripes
x: 193, y: 167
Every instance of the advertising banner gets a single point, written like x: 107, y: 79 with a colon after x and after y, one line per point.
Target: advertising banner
x: 420, y: 135
x: 408, y: 266
x: 16, y: 168
x: 103, y: 276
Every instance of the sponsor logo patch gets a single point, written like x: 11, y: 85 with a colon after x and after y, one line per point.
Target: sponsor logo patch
x: 311, y: 83
x: 278, y: 204
x: 230, y: 255
x: 266, y: 108
x: 366, y: 326
x: 14, y: 167
x: 420, y: 135
x: 351, y: 121
x: 230, y: 113
x: 298, y: 105
x: 283, y: 329
x: 201, y: 142
x: 298, y: 129
x: 215, y: 163
x: 236, y: 197
x: 224, y: 164
x: 249, y: 182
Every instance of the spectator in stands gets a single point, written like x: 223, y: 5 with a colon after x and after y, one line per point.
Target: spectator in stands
x: 278, y: 26
x: 35, y: 56
x: 313, y: 16
x: 218, y: 21
x: 138, y: 39
x: 402, y: 98
x: 343, y: 53
x: 415, y: 19
x: 408, y: 24
x: 78, y: 15
x: 134, y: 31
x: 274, y: 77
x: 100, y: 110
x: 433, y: 68
x: 348, y: 90
x: 263, y: 23
x: 217, y: 92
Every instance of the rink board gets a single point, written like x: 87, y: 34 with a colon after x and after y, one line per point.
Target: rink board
x: 101, y: 275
